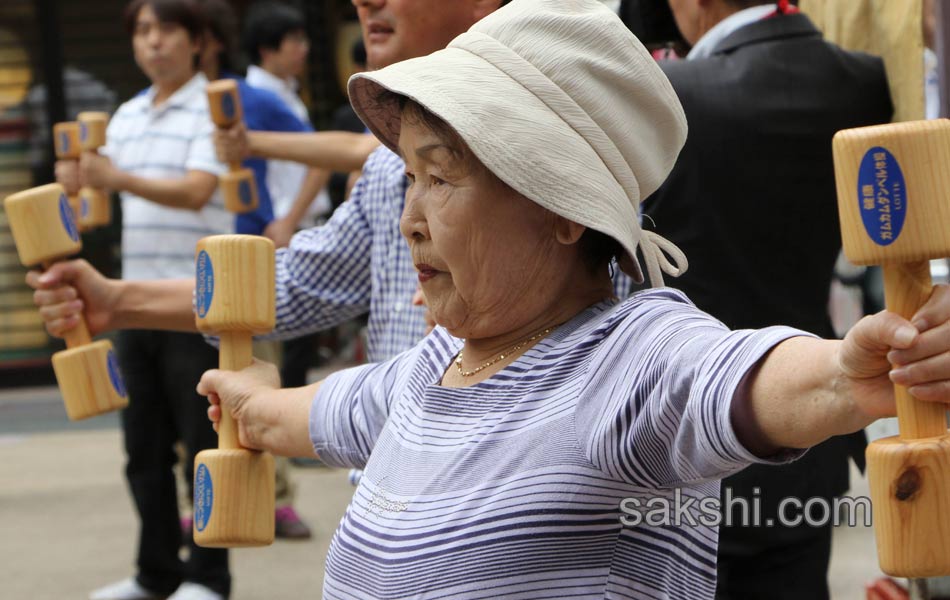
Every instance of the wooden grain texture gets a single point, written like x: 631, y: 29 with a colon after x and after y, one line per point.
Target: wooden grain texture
x: 239, y: 511
x: 40, y: 226
x: 892, y: 183
x: 66, y: 140
x: 238, y: 186
x: 45, y: 230
x: 239, y: 190
x: 922, y: 151
x: 92, y: 130
x: 224, y: 102
x: 95, y: 208
x: 234, y: 487
x: 906, y: 288
x: 910, y: 490
x: 88, y: 384
x: 241, y: 296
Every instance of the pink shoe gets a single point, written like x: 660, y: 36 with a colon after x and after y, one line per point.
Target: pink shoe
x: 185, y: 529
x: 288, y: 524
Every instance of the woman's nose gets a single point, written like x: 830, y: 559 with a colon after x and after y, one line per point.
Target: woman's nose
x: 413, y: 224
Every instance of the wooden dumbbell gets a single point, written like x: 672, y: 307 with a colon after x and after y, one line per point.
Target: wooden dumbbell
x: 44, y: 230
x: 892, y: 183
x: 235, y: 298
x: 95, y: 207
x: 67, y: 147
x: 238, y: 185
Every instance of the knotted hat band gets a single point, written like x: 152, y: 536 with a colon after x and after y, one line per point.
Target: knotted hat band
x: 652, y: 245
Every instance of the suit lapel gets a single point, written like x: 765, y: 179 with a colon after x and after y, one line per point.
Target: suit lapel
x: 770, y: 29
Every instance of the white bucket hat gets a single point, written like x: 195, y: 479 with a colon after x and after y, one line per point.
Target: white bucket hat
x: 561, y: 102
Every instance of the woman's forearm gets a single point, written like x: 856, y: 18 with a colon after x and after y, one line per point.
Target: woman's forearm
x: 279, y: 421
x: 796, y: 398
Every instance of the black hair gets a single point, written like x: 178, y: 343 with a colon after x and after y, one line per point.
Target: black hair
x: 266, y: 25
x: 186, y: 13
x: 223, y: 25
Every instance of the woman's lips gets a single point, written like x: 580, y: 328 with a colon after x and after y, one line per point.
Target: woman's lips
x: 426, y: 272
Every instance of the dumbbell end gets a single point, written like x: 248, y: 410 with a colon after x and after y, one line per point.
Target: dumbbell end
x: 239, y: 190
x: 234, y: 499
x: 910, y: 494
x: 89, y: 380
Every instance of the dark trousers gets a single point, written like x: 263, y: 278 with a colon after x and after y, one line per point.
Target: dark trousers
x: 161, y: 370
x: 796, y: 571
x: 783, y: 562
x: 300, y: 354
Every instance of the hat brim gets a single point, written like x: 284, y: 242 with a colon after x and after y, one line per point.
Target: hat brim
x: 442, y: 83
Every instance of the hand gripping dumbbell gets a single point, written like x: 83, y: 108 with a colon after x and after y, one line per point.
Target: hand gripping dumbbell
x: 67, y: 147
x: 44, y: 230
x: 95, y: 209
x: 238, y: 186
x: 235, y: 298
x: 893, y: 183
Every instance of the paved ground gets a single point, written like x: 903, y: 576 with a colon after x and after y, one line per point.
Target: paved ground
x: 67, y: 524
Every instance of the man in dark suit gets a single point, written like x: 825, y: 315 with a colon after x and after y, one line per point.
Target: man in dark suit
x: 752, y: 203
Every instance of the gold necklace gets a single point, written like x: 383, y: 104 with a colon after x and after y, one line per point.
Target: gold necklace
x: 518, y: 346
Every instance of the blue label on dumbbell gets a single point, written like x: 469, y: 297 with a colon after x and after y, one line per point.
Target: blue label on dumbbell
x: 68, y: 218
x: 204, y: 497
x: 204, y: 283
x: 83, y: 207
x: 227, y: 105
x: 115, y: 376
x: 83, y: 132
x: 882, y: 195
x: 244, y: 193
x: 63, y: 143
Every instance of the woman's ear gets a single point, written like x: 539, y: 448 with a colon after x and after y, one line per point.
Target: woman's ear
x: 566, y: 231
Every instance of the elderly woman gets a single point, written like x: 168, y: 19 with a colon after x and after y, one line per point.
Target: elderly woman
x: 503, y: 454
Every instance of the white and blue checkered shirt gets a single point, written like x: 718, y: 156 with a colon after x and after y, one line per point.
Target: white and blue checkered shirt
x: 359, y: 261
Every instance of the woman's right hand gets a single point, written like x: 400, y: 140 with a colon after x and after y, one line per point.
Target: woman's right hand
x: 72, y: 288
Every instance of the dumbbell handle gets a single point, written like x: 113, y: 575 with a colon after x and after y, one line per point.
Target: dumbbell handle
x: 235, y: 353
x: 907, y: 287
x: 78, y: 335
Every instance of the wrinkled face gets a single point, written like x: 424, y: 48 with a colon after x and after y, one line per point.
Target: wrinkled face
x: 164, y: 51
x: 396, y: 30
x: 487, y: 257
x: 290, y: 57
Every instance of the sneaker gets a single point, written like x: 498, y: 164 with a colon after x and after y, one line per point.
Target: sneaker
x: 127, y: 589
x: 288, y: 525
x: 195, y: 591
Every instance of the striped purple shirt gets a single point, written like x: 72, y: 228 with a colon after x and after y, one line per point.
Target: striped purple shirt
x: 512, y: 487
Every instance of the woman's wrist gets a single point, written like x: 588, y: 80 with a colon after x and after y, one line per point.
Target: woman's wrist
x: 846, y: 415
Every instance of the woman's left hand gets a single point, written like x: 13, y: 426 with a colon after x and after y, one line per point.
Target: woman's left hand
x: 237, y: 392
x: 885, y: 349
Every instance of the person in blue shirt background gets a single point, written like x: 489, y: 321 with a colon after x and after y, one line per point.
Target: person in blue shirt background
x: 263, y: 109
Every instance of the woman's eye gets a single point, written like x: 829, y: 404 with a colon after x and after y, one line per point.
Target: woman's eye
x: 436, y: 180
